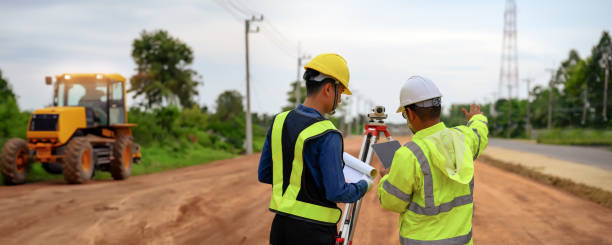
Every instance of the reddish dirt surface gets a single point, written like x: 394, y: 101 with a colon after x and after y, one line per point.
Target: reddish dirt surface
x: 223, y: 203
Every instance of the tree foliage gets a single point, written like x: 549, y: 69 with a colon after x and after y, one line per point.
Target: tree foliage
x: 163, y: 73
x: 14, y: 122
x: 575, y: 79
x: 229, y: 104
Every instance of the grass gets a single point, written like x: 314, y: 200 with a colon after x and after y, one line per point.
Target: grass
x: 155, y: 158
x: 575, y: 137
x: 594, y: 194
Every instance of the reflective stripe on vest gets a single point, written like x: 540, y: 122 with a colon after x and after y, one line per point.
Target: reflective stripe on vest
x: 477, y: 149
x: 287, y: 202
x: 453, y: 240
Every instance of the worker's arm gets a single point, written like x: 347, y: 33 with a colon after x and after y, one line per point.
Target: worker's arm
x: 478, y: 129
x: 395, y: 188
x: 265, y: 161
x: 330, y: 162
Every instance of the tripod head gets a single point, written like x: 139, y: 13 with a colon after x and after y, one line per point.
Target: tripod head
x: 378, y: 115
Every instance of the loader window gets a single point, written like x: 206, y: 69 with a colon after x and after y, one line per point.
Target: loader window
x: 92, y: 95
x: 60, y: 100
x: 116, y: 109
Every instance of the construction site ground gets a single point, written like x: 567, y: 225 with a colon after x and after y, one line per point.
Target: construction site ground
x: 223, y: 203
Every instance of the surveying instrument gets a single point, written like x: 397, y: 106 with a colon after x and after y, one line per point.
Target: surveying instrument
x: 372, y: 133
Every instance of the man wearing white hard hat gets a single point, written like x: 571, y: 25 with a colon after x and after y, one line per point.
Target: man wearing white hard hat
x: 431, y: 179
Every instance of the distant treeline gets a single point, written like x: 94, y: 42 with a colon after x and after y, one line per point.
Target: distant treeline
x: 577, y: 98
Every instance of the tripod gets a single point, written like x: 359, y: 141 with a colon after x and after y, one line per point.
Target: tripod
x: 373, y: 129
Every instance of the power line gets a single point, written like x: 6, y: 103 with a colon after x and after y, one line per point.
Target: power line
x: 240, y: 12
x: 236, y: 7
x: 278, y: 43
x: 245, y: 6
x: 227, y: 9
x: 275, y: 30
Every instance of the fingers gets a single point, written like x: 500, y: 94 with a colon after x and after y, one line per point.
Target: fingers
x: 465, y: 112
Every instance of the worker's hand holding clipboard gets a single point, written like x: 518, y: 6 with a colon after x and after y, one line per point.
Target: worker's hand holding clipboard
x: 385, y: 152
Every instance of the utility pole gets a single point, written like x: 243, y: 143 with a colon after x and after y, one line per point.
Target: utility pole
x: 249, y: 126
x: 607, y: 59
x: 347, y: 116
x: 509, y: 110
x: 585, y: 107
x: 356, y: 106
x: 551, y: 83
x: 493, y: 111
x: 298, y: 80
x: 528, y: 119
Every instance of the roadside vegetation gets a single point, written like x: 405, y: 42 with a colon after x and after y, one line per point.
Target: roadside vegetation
x: 569, y: 136
x: 578, y: 99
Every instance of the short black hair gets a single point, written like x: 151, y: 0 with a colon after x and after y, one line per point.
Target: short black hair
x: 425, y: 113
x: 313, y: 87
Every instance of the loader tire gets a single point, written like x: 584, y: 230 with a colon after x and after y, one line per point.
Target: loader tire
x: 79, y: 162
x: 14, y: 161
x: 121, y: 165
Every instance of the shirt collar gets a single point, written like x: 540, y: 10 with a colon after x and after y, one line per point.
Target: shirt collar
x: 429, y: 131
x: 309, y: 111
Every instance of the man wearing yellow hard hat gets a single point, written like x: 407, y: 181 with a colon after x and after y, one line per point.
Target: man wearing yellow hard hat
x: 302, y: 159
x: 431, y: 179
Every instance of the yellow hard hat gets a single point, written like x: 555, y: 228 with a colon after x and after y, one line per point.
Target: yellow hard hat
x: 334, y: 66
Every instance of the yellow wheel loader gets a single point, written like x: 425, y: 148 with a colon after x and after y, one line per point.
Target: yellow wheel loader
x: 85, y: 131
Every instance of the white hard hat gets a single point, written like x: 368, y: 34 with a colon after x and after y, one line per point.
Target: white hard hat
x: 417, y: 89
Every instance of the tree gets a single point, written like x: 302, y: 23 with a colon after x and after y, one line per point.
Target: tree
x: 14, y: 123
x: 596, y: 78
x: 162, y: 70
x: 6, y: 92
x: 229, y: 104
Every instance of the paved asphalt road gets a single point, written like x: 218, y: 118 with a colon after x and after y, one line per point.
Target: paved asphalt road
x: 598, y: 157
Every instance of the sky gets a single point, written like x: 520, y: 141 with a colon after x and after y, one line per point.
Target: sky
x: 457, y: 44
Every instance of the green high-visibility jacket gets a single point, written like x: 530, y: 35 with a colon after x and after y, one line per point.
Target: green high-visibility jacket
x: 431, y: 183
x: 286, y: 201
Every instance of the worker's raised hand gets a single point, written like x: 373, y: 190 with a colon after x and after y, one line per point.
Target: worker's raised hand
x: 474, y: 109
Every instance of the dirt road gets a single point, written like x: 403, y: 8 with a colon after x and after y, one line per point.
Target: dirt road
x: 223, y: 203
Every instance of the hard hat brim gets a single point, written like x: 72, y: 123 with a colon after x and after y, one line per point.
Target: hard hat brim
x: 400, y: 109
x: 347, y: 91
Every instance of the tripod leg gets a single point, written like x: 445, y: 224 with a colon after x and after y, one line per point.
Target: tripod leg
x: 357, y: 206
x: 349, y: 211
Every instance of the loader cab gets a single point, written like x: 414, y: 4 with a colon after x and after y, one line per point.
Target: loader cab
x: 102, y: 95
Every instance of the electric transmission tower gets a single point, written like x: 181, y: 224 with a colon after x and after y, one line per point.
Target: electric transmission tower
x: 508, y: 73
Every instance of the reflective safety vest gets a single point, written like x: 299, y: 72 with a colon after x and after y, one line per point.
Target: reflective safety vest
x: 294, y: 192
x: 431, y: 183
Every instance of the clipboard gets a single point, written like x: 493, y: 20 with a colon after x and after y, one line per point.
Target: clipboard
x: 385, y: 152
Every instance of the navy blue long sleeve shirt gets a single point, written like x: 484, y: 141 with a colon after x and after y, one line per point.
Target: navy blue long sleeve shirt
x: 323, y: 157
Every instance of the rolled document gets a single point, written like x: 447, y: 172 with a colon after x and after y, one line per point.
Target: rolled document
x: 355, y: 170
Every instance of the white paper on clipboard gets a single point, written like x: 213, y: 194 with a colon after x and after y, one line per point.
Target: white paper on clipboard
x: 356, y: 170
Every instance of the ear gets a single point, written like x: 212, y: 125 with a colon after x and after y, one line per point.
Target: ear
x: 329, y: 89
x: 411, y: 115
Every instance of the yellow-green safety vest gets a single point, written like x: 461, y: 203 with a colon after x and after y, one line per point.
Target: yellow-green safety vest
x: 431, y: 183
x: 287, y: 203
